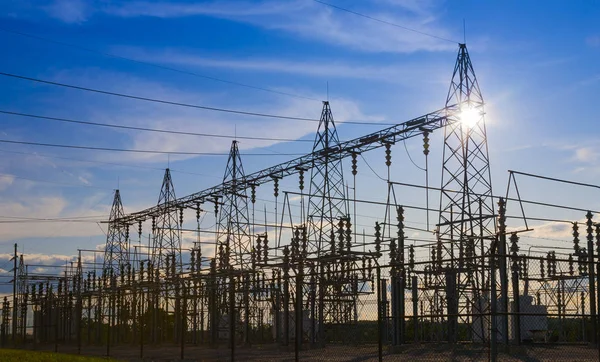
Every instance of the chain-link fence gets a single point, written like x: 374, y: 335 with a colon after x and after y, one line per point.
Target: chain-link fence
x: 346, y: 310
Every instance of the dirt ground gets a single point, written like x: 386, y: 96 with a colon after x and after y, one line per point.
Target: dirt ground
x: 333, y: 353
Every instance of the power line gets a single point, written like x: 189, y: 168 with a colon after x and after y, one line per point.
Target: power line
x: 46, y: 221
x: 109, y: 163
x: 54, y: 218
x: 66, y: 120
x: 155, y: 65
x: 410, y: 157
x: 143, y: 151
x: 371, y: 168
x: 180, y: 104
x: 256, y: 114
x: 384, y: 21
x: 52, y: 182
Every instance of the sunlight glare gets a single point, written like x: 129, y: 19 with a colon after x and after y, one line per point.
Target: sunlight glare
x: 469, y: 117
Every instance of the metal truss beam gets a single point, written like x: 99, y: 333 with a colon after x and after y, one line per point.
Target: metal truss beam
x: 402, y: 131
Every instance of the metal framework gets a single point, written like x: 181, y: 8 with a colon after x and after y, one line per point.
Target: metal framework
x: 233, y: 225
x: 466, y: 226
x: 166, y: 242
x: 116, y: 252
x: 313, y: 279
x: 402, y: 131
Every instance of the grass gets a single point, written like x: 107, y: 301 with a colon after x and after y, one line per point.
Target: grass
x: 14, y: 355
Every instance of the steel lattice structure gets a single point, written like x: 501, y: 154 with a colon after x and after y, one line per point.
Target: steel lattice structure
x: 166, y: 242
x: 414, y: 127
x: 466, y: 226
x: 316, y: 281
x: 327, y: 196
x: 116, y: 252
x: 233, y: 226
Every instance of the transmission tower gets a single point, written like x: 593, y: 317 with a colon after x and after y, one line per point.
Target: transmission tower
x: 166, y: 227
x: 22, y: 296
x: 329, y: 236
x: 116, y: 252
x: 466, y: 220
x: 233, y: 226
x: 327, y: 200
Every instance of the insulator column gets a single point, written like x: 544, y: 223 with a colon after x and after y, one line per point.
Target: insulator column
x: 591, y: 277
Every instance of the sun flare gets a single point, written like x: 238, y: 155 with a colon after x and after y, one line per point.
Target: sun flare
x: 469, y: 117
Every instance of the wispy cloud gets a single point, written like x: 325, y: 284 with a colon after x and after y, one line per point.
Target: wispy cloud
x: 405, y: 73
x: 69, y: 11
x: 593, y: 41
x: 586, y: 155
x: 49, y: 207
x: 302, y: 18
x: 165, y: 9
x: 6, y: 181
x: 123, y: 111
x: 343, y: 110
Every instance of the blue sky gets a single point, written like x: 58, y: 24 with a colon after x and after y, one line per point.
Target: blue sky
x: 537, y: 65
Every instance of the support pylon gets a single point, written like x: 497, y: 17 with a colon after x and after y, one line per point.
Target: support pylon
x: 116, y: 251
x: 233, y: 251
x: 22, y: 297
x: 327, y: 200
x: 233, y: 227
x: 167, y: 231
x: 467, y: 227
x: 328, y: 239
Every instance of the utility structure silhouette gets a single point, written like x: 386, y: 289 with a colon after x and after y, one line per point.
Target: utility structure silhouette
x: 316, y: 273
x: 21, y: 300
x: 466, y: 229
x: 327, y: 201
x: 166, y: 230
x: 330, y: 245
x: 233, y: 222
x: 116, y: 251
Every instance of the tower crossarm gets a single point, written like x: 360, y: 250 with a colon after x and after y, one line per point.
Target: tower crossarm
x: 414, y: 127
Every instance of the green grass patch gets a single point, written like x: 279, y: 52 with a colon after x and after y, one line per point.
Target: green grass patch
x: 15, y: 355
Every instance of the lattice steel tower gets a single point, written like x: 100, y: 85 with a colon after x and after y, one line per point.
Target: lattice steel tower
x: 167, y: 230
x: 233, y: 228
x: 116, y: 252
x: 466, y: 220
x: 327, y: 200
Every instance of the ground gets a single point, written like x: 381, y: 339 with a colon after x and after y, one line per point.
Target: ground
x: 13, y: 355
x: 333, y: 353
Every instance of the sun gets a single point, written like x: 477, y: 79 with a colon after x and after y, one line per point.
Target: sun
x: 469, y: 117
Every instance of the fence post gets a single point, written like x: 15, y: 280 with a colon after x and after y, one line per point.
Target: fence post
x: 415, y: 303
x: 592, y: 278
x: 379, y: 315
x: 183, y: 321
x: 232, y: 315
x: 298, y: 344
x: 452, y: 307
x: 493, y: 308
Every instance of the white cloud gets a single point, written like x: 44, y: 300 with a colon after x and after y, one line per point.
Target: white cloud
x: 83, y: 180
x: 586, y: 155
x: 342, y: 110
x: 151, y: 115
x: 69, y: 11
x: 348, y: 30
x: 552, y: 230
x: 593, y: 41
x: 6, y: 181
x: 404, y: 74
x: 303, y: 18
x: 48, y: 207
x: 163, y: 9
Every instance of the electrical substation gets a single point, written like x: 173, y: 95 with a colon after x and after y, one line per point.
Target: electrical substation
x: 306, y: 282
